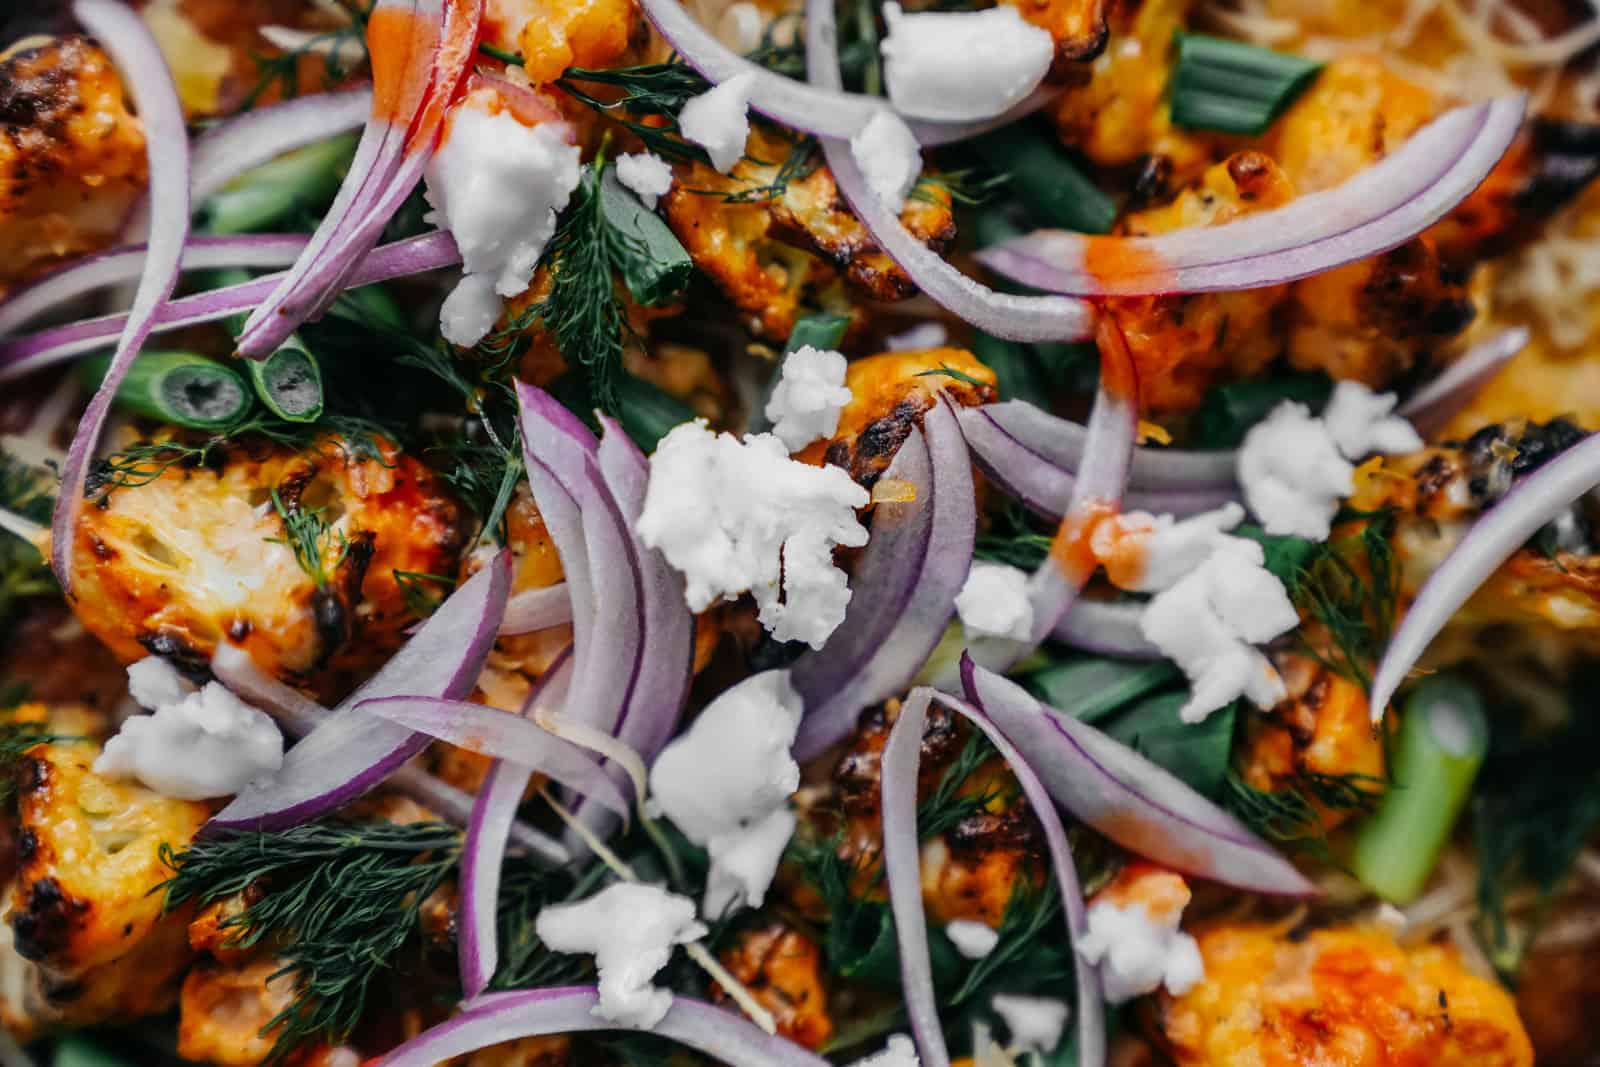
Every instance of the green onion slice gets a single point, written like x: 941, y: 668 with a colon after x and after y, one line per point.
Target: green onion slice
x: 182, y: 388
x: 818, y: 331
x: 655, y: 265
x: 1046, y: 180
x: 1233, y: 87
x: 304, y: 181
x: 289, y: 382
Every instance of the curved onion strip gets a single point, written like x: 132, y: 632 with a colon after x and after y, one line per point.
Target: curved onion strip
x: 907, y: 581
x: 240, y: 144
x: 123, y: 34
x: 300, y: 714
x: 351, y: 752
x: 1430, y: 407
x: 1016, y: 318
x: 537, y: 609
x: 500, y: 1017
x: 1533, y: 502
x: 902, y: 867
x: 1109, y: 629
x: 125, y: 264
x: 1382, y: 207
x: 667, y: 659
x: 821, y: 108
x: 23, y: 355
x: 1129, y: 799
x: 1046, y: 489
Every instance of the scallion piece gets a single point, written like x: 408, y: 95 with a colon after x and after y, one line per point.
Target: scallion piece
x: 1232, y: 87
x: 647, y: 412
x: 1046, y: 179
x: 818, y: 331
x: 303, y: 181
x: 1016, y: 369
x: 289, y: 382
x: 1440, y: 746
x: 655, y: 266
x: 182, y: 388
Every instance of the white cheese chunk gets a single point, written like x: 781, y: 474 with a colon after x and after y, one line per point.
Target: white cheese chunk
x: 1171, y: 549
x: 962, y: 66
x: 898, y: 1051
x: 809, y: 396
x: 1138, y: 954
x: 207, y: 743
x: 993, y: 601
x: 646, y: 175
x: 718, y: 120
x: 886, y: 151
x: 744, y: 862
x: 972, y: 939
x: 497, y: 186
x: 1362, y: 422
x: 630, y: 930
x: 154, y: 682
x: 1035, y: 1023
x: 738, y: 516
x: 1293, y: 474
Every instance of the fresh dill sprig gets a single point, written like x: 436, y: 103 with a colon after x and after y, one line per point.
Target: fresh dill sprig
x: 948, y: 805
x: 800, y: 163
x: 947, y: 371
x: 340, y: 901
x: 1024, y: 946
x: 970, y: 186
x: 318, y: 548
x: 27, y: 492
x: 1011, y: 539
x: 423, y: 592
x: 1289, y: 815
x: 283, y: 70
x: 650, y: 98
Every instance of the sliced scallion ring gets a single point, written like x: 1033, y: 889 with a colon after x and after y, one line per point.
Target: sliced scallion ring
x: 182, y: 388
x: 289, y: 382
x: 1233, y: 87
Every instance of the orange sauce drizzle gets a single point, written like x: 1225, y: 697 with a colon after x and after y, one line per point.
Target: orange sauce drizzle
x: 398, y: 40
x: 1112, y: 261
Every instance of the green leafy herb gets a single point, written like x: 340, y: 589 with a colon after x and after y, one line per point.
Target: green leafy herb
x: 341, y: 902
x: 1288, y: 815
x: 648, y: 412
x: 818, y: 331
x: 947, y: 371
x: 1227, y: 412
x: 799, y: 164
x: 16, y: 738
x: 1090, y: 688
x: 423, y: 592
x: 1012, y: 539
x: 653, y: 263
x: 948, y: 805
x: 29, y: 494
x: 1196, y: 753
x: 318, y: 548
x: 1017, y: 369
x: 648, y: 103
x: 1045, y: 179
x: 1234, y: 87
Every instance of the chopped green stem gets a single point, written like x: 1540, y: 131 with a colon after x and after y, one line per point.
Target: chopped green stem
x: 1233, y: 87
x: 1441, y: 745
x: 297, y: 185
x: 1046, y: 180
x: 182, y: 388
x: 818, y: 331
x: 289, y: 382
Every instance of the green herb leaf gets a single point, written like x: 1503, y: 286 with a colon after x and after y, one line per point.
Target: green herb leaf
x: 1227, y: 412
x: 318, y: 548
x: 1234, y: 87
x: 1046, y: 180
x: 1092, y: 689
x: 654, y: 265
x: 1197, y: 753
x: 1288, y: 815
x: 818, y: 331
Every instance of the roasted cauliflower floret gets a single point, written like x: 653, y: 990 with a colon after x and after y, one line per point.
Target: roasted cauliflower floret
x: 1343, y: 997
x: 308, y: 585
x: 783, y: 970
x: 1078, y: 27
x: 889, y: 393
x: 71, y: 156
x: 225, y: 1008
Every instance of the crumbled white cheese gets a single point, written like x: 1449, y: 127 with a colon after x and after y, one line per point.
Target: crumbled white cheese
x: 898, y: 1051
x: 993, y: 601
x: 1362, y: 422
x: 806, y: 402
x: 718, y: 120
x: 206, y: 743
x: 740, y: 516
x: 923, y: 335
x: 726, y: 782
x: 646, y: 175
x: 1035, y: 1023
x: 961, y: 66
x: 154, y: 682
x: 1292, y: 473
x: 1137, y: 954
x: 972, y: 939
x: 1170, y: 549
x: 631, y: 930
x: 497, y: 186
x: 886, y: 151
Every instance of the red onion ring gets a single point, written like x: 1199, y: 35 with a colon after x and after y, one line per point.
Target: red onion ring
x: 1382, y: 207
x: 299, y: 715
x: 116, y: 266
x: 1533, y: 502
x: 125, y: 37
x: 500, y: 1017
x: 350, y: 753
x: 902, y: 865
x: 1432, y: 406
x: 1108, y: 629
x: 31, y: 352
x: 1127, y: 798
x: 907, y: 580
x: 537, y: 609
x: 1016, y: 318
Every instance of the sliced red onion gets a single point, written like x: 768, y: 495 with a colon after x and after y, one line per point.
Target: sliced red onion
x: 351, y: 752
x: 1109, y: 629
x: 500, y: 1017
x: 533, y: 610
x: 299, y: 715
x: 125, y: 264
x: 1127, y: 798
x: 1432, y: 406
x: 1533, y: 502
x: 905, y: 587
x: 123, y: 34
x: 902, y: 857
x: 501, y: 735
x: 1016, y: 318
x: 1382, y: 207
x: 240, y: 144
x: 1046, y: 489
x: 23, y: 355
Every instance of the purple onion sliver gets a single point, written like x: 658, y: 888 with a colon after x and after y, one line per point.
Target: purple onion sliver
x: 533, y: 610
x: 1532, y: 503
x: 1107, y: 629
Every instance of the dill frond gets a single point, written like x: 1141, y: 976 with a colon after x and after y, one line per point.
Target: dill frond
x: 1290, y: 816
x: 1011, y: 539
x: 947, y: 805
x: 16, y: 738
x: 423, y: 592
x: 648, y: 103
x: 23, y: 574
x: 801, y: 162
x: 283, y: 71
x: 318, y: 548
